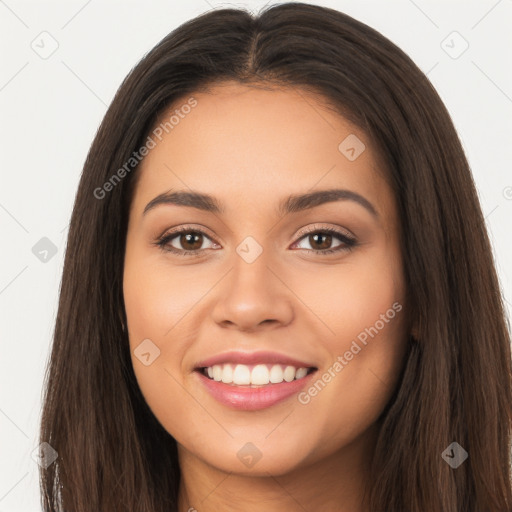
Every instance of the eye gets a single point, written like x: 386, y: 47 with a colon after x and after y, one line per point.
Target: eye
x: 188, y: 241
x: 321, y: 240
x: 184, y: 241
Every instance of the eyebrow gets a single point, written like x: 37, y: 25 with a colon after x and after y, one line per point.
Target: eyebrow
x: 291, y: 204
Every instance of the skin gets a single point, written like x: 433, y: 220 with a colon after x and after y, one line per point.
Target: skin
x: 250, y: 148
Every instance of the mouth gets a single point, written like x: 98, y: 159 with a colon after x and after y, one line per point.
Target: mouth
x: 254, y: 375
x: 253, y: 382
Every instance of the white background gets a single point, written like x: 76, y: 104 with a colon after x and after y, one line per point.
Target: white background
x: 50, y: 110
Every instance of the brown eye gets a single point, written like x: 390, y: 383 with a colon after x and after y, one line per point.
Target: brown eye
x: 185, y: 241
x: 191, y: 241
x: 320, y: 241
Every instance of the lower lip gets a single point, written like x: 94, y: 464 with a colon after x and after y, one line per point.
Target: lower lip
x: 252, y: 399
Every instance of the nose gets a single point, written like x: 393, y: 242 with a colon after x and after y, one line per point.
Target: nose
x: 253, y: 296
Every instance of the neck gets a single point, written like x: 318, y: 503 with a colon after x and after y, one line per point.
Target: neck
x: 336, y: 483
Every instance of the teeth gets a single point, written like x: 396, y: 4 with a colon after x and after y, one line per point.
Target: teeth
x: 241, y: 375
x: 289, y: 373
x: 227, y: 374
x: 217, y: 372
x: 259, y: 375
x: 276, y: 374
x: 301, y: 372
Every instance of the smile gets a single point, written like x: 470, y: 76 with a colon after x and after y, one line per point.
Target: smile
x: 254, y: 375
x: 253, y: 381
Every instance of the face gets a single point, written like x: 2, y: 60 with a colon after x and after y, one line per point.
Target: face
x: 269, y: 332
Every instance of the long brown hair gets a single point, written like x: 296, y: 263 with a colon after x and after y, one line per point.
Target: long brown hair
x: 113, y: 454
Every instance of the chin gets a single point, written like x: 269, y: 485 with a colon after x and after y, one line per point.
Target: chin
x: 245, y: 457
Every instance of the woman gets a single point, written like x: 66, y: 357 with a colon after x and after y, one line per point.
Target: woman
x: 278, y: 288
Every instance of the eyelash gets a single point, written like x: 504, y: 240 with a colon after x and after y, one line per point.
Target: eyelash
x: 348, y: 243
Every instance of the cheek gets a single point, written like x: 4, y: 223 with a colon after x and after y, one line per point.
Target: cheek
x: 347, y: 298
x: 156, y: 305
x: 364, y: 301
x: 366, y: 317
x: 157, y: 299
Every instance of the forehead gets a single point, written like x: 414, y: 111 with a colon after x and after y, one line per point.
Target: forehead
x: 249, y: 145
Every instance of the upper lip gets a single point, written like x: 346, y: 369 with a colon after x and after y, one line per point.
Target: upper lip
x: 263, y: 357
